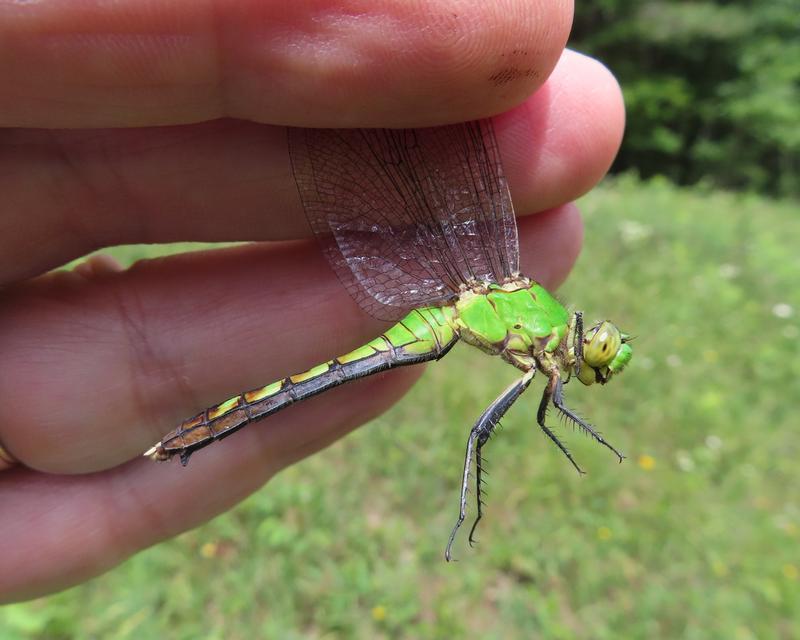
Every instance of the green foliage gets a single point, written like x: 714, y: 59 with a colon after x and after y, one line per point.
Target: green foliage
x: 695, y: 535
x: 712, y: 88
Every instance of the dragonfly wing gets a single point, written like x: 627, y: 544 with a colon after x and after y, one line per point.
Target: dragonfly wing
x: 407, y: 216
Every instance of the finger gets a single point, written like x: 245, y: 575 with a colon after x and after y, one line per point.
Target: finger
x: 68, y: 193
x: 560, y: 143
x: 104, y: 366
x: 321, y: 63
x: 102, y: 518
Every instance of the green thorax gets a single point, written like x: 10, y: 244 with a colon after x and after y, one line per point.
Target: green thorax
x: 517, y: 320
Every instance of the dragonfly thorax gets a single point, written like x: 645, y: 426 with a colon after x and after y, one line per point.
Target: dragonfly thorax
x: 518, y: 320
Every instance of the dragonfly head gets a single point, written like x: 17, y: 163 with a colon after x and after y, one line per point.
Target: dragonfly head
x: 605, y: 352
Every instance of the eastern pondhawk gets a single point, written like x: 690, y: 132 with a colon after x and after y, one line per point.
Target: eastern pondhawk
x: 419, y: 227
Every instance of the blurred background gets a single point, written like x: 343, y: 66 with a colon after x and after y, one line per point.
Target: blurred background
x: 693, y: 245
x: 712, y: 89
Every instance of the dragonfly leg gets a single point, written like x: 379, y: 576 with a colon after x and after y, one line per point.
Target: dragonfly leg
x: 478, y: 481
x: 462, y: 512
x: 479, y: 434
x: 558, y: 401
x: 547, y: 396
x: 578, y: 341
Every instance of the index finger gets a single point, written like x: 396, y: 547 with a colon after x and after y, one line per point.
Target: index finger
x: 314, y: 63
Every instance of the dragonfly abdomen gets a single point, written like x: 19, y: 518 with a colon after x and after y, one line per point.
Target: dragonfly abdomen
x: 424, y: 334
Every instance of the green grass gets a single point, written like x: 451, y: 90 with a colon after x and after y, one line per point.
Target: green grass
x: 696, y: 535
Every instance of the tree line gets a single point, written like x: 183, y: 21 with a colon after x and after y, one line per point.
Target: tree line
x: 712, y: 89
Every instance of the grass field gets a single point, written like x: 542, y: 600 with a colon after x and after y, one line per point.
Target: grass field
x: 696, y: 535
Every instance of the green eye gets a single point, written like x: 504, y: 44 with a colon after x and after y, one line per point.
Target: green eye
x: 602, y: 347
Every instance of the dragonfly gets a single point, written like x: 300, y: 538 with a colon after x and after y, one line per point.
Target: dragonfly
x: 419, y: 227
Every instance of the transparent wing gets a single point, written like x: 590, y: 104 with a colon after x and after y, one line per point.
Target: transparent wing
x: 407, y: 216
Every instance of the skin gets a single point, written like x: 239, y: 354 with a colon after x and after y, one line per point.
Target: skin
x: 99, y: 363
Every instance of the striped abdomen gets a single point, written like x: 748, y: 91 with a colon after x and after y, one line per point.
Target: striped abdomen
x: 424, y: 334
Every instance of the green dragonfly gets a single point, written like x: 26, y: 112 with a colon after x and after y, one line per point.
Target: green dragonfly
x: 419, y: 227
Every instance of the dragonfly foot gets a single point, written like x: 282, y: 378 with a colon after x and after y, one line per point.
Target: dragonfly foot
x: 472, y: 541
x: 448, y: 555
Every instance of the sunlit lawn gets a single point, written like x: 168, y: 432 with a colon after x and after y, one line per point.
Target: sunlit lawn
x: 695, y: 535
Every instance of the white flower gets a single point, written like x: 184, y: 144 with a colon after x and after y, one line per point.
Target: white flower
x: 632, y: 231
x: 729, y: 271
x: 782, y: 310
x: 684, y: 460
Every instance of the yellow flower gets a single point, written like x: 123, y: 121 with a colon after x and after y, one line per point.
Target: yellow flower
x: 743, y: 633
x: 719, y: 568
x: 379, y: 613
x: 209, y: 550
x: 711, y: 399
x: 791, y: 572
x: 604, y: 533
x: 646, y: 462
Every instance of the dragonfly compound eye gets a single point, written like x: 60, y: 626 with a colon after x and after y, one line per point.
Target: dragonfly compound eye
x: 602, y: 346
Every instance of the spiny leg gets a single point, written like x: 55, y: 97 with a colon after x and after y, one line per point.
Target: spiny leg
x: 578, y: 341
x: 558, y: 402
x: 462, y: 512
x: 547, y: 395
x: 480, y: 433
x: 478, y: 480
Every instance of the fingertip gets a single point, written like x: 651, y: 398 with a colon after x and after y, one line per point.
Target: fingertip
x: 550, y: 242
x: 97, y: 266
x: 561, y: 141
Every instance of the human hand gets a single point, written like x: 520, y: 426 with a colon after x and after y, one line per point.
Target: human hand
x: 99, y: 362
